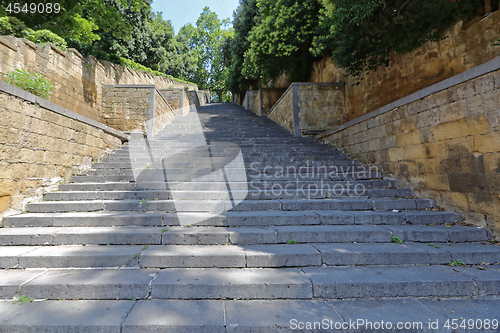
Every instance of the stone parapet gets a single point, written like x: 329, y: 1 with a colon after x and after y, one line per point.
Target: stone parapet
x: 42, y: 143
x: 443, y: 141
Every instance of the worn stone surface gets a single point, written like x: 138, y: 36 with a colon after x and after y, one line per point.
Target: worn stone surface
x: 383, y: 281
x: 276, y: 316
x: 231, y: 283
x: 175, y: 316
x: 64, y: 316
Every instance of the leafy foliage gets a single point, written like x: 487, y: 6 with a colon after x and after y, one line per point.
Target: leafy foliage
x: 275, y: 37
x: 138, y: 67
x: 43, y: 36
x: 35, y: 83
x: 110, y: 30
x: 207, y: 42
x: 246, y: 16
x: 280, y: 43
x: 12, y: 26
x: 361, y: 34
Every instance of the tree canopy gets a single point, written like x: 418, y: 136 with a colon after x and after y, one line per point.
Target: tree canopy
x: 269, y: 38
x: 121, y: 31
x: 207, y: 41
x: 284, y: 37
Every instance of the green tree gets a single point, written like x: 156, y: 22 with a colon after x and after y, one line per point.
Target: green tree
x: 246, y: 16
x: 207, y: 42
x: 280, y: 43
x: 361, y: 34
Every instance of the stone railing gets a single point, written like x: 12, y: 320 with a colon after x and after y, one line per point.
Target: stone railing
x: 44, y: 143
x: 444, y: 141
x: 136, y: 108
x: 307, y: 108
x: 249, y: 98
x: 265, y: 99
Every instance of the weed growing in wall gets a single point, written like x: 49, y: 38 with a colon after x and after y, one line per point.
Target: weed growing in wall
x: 35, y: 83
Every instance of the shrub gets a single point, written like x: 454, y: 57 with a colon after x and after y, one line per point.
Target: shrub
x: 44, y: 36
x: 12, y: 26
x: 35, y: 83
x: 138, y: 67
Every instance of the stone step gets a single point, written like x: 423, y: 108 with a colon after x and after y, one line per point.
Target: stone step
x: 244, y: 144
x: 222, y: 194
x: 250, y: 150
x: 247, y: 283
x: 172, y: 206
x: 134, y: 316
x: 249, y: 171
x: 232, y: 219
x: 116, y: 169
x: 376, y: 184
x: 219, y: 177
x: 239, y: 235
x: 247, y: 256
x: 256, y: 160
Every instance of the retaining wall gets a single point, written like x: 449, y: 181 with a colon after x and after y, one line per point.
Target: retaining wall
x: 78, y: 79
x: 443, y: 141
x: 41, y: 142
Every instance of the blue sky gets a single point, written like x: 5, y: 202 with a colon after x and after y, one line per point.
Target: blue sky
x: 181, y: 12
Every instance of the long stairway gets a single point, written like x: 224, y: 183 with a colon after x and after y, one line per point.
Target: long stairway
x: 229, y: 224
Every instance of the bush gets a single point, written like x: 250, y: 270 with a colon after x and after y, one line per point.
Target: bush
x: 138, y: 67
x: 15, y: 27
x: 35, y: 83
x: 12, y: 26
x: 44, y: 36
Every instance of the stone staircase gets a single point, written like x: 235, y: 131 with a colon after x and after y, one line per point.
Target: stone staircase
x: 154, y: 241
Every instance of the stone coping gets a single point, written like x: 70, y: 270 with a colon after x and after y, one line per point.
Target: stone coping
x: 472, y: 73
x: 305, y: 84
x: 19, y: 93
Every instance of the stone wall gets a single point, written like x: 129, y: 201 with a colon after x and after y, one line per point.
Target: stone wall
x: 265, y: 100
x: 445, y: 145
x: 193, y: 98
x: 462, y: 49
x: 78, y: 79
x: 282, y: 111
x: 174, y: 97
x: 255, y: 107
x: 126, y: 108
x: 317, y: 107
x: 320, y: 106
x: 269, y: 97
x: 138, y: 108
x: 249, y: 98
x: 164, y: 113
x: 40, y: 142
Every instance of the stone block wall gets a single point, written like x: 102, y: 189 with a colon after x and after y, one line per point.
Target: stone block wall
x: 163, y: 112
x: 40, y: 142
x: 265, y: 100
x: 126, y: 108
x: 282, y: 111
x: 78, y: 79
x: 320, y: 106
x: 249, y: 98
x: 193, y: 98
x: 269, y: 97
x: 174, y: 97
x: 255, y: 107
x: 462, y: 49
x: 446, y: 146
